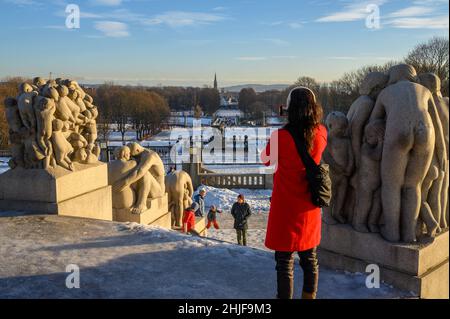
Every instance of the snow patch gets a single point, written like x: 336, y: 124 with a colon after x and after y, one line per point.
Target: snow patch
x: 223, y: 199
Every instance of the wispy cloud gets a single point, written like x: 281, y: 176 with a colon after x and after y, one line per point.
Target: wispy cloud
x: 421, y: 23
x: 354, y: 11
x: 422, y: 14
x: 251, y: 58
x: 110, y: 3
x: 292, y: 25
x: 296, y: 25
x: 112, y: 29
x: 184, y: 18
x: 362, y: 57
x: 22, y: 2
x: 412, y: 11
x: 277, y: 42
x: 287, y: 57
x: 342, y: 58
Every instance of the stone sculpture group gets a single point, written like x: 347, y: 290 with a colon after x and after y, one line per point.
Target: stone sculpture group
x: 137, y: 177
x: 52, y: 123
x: 52, y: 126
x: 389, y: 157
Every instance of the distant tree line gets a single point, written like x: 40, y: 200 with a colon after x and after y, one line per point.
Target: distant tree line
x: 186, y: 98
x: 143, y: 110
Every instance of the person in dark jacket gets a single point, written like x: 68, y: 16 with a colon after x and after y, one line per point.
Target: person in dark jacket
x: 212, y: 217
x: 241, y: 212
x: 200, y: 200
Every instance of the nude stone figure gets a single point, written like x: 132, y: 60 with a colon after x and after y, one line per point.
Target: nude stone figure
x: 360, y: 110
x: 122, y: 197
x: 426, y: 212
x: 438, y: 189
x: 63, y: 111
x: 44, y: 117
x: 17, y: 150
x: 148, y: 176
x: 149, y: 161
x: 339, y: 156
x: 32, y: 153
x: 69, y: 104
x: 16, y: 132
x: 61, y: 147
x: 25, y: 102
x: 13, y: 115
x: 39, y: 82
x: 408, y: 149
x: 368, y: 208
x: 180, y: 190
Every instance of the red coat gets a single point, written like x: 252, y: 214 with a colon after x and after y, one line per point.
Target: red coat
x: 189, y: 219
x: 294, y: 222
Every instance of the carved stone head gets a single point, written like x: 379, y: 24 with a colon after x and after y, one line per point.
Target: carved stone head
x: 373, y: 84
x: 135, y: 149
x: 62, y: 90
x: 25, y: 88
x: 432, y: 82
x: 402, y: 72
x: 39, y: 82
x: 337, y: 124
x: 57, y: 125
x: 122, y: 153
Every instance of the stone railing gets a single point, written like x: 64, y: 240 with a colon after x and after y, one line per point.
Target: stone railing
x: 5, y: 153
x: 219, y: 180
x: 203, y: 176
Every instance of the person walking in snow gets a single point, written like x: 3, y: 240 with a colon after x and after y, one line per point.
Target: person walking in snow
x: 200, y: 200
x: 189, y: 219
x: 212, y: 217
x: 294, y: 223
x: 241, y: 212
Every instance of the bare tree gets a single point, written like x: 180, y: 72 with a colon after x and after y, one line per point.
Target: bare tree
x: 432, y: 56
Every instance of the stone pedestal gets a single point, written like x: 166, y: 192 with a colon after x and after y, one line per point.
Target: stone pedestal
x: 420, y: 268
x: 200, y: 226
x: 83, y: 193
x: 157, y: 214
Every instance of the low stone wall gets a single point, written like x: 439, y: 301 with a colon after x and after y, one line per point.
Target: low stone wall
x: 250, y: 181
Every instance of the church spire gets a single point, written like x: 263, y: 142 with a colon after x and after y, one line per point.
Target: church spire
x: 215, y: 81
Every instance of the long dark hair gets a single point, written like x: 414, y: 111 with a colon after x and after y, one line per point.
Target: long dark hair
x: 304, y: 114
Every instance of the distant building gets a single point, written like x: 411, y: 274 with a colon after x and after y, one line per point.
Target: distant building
x: 215, y: 81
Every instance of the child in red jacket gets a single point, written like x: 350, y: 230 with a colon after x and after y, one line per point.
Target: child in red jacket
x: 189, y: 218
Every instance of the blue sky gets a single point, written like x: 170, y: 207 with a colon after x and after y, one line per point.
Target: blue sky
x: 184, y: 42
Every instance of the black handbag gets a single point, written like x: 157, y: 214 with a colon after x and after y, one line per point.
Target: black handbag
x: 318, y: 176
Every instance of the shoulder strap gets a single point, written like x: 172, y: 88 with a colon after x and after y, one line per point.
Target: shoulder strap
x: 308, y: 161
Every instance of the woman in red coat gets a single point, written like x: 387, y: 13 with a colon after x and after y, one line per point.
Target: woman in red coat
x: 294, y: 222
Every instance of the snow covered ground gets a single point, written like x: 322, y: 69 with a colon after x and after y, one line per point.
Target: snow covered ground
x: 4, y: 164
x: 242, y: 169
x: 134, y: 261
x: 258, y: 199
